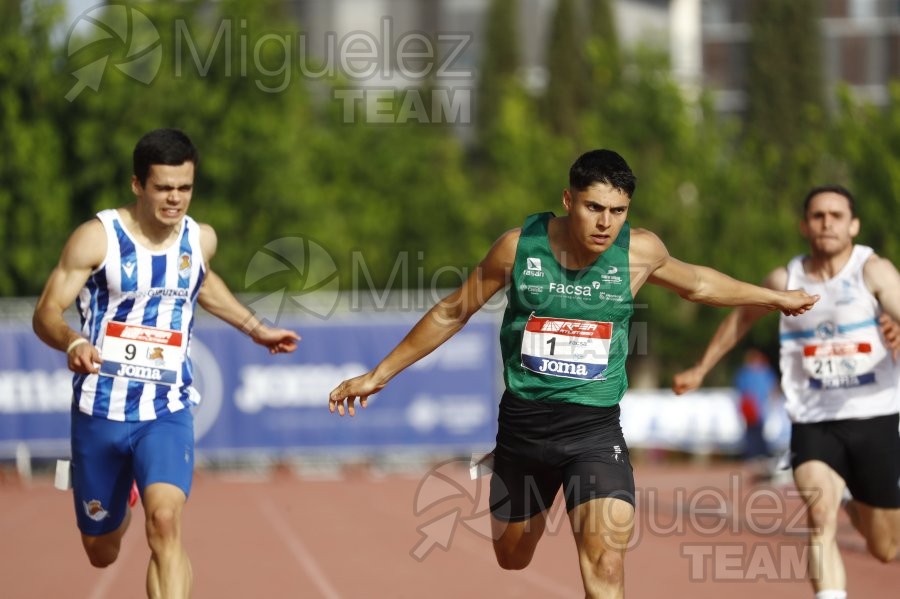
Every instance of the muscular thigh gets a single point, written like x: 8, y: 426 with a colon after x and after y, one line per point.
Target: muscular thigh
x: 164, y: 451
x: 101, y: 472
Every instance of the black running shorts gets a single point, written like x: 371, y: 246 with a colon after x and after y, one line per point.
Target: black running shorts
x: 864, y: 452
x: 544, y: 445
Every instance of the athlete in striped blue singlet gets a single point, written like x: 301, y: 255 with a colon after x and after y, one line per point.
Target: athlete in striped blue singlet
x: 135, y: 274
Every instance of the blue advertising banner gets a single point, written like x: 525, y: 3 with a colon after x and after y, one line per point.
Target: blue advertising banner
x: 256, y: 403
x: 252, y: 401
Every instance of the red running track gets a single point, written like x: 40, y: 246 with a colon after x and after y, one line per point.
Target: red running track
x: 701, y: 532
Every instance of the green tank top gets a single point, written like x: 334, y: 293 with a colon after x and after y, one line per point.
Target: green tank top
x: 564, y: 335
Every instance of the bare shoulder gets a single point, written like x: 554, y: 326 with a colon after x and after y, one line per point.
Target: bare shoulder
x: 879, y: 273
x: 86, y: 246
x: 209, y: 241
x: 647, y: 248
x: 504, y: 249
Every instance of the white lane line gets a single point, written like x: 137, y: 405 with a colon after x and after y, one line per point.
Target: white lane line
x: 303, y: 556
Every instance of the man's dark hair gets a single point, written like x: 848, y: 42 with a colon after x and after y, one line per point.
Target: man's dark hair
x: 602, y: 166
x: 838, y: 189
x: 162, y: 146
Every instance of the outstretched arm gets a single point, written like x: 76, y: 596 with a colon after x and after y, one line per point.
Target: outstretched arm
x: 732, y: 330
x: 437, y: 326
x: 218, y: 300
x: 706, y: 285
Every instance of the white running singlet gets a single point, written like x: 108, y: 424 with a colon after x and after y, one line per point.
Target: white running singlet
x: 834, y: 362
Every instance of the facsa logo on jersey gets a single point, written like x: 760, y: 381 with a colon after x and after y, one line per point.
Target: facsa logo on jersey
x: 570, y: 290
x: 94, y: 510
x: 128, y: 267
x: 184, y: 265
x: 533, y: 267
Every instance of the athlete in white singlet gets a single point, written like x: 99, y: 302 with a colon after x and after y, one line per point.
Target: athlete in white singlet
x: 841, y: 384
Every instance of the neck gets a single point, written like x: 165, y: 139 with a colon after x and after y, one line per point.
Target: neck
x: 569, y: 253
x: 826, y: 266
x: 153, y: 235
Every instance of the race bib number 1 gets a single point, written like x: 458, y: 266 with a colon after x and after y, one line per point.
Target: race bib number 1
x: 576, y: 349
x: 145, y: 354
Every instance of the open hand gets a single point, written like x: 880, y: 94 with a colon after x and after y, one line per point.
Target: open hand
x: 360, y: 387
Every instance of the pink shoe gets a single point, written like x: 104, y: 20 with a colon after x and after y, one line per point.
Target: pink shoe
x: 134, y: 495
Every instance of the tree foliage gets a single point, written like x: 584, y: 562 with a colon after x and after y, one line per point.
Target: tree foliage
x: 785, y: 81
x: 408, y: 202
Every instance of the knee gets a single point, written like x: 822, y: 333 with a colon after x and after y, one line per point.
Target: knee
x: 884, y: 552
x: 101, y: 556
x: 512, y: 559
x: 823, y: 518
x: 162, y: 524
x: 608, y: 568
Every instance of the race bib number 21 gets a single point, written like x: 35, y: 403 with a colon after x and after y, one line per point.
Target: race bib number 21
x: 145, y: 354
x: 564, y: 347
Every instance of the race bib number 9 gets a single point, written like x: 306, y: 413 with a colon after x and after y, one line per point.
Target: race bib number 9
x: 575, y: 349
x: 838, y: 365
x: 145, y: 354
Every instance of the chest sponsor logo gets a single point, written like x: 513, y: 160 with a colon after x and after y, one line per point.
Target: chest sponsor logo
x: 826, y: 330
x: 570, y: 290
x: 184, y: 265
x: 611, y: 276
x: 533, y: 267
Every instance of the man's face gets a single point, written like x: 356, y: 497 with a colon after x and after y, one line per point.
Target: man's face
x: 596, y: 215
x: 165, y: 197
x: 828, y: 225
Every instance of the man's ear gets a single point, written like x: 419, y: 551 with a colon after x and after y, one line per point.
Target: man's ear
x: 854, y: 227
x: 567, y: 199
x: 135, y: 185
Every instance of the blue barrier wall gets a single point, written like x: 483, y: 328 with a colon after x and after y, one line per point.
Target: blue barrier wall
x: 278, y: 404
x: 254, y: 402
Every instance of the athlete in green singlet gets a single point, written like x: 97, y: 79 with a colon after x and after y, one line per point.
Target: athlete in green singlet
x: 570, y: 285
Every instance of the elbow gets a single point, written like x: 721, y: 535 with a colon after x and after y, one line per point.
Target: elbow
x: 451, y: 314
x: 698, y: 297
x: 37, y: 322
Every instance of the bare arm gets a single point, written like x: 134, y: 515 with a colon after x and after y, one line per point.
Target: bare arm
x: 440, y: 323
x: 883, y: 280
x: 732, y: 330
x: 706, y: 285
x: 84, y: 251
x: 218, y: 300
